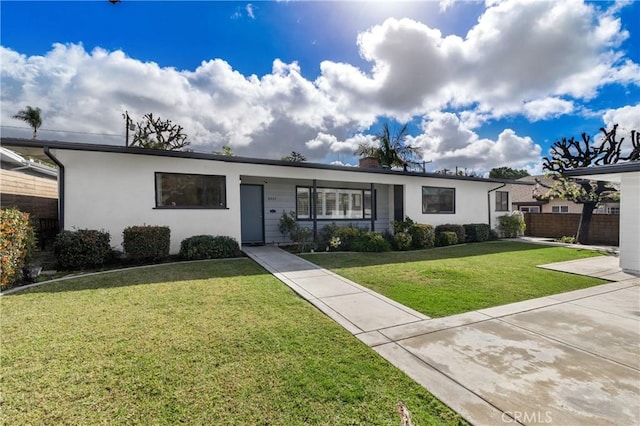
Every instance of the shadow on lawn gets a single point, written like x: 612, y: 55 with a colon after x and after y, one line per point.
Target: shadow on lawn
x: 350, y: 260
x: 149, y: 274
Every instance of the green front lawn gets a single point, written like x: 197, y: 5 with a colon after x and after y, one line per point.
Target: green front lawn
x: 216, y: 342
x: 451, y: 280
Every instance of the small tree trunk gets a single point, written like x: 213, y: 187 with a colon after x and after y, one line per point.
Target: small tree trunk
x: 582, y: 236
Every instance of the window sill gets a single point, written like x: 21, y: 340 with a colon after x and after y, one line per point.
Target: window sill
x: 438, y: 212
x: 188, y: 208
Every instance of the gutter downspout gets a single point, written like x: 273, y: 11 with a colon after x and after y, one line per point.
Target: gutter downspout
x: 60, y: 187
x: 373, y: 206
x: 312, y: 205
x: 489, y: 201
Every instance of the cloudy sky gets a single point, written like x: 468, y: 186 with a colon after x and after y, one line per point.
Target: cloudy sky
x: 481, y: 84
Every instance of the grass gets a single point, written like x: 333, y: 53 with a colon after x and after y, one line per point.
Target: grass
x: 215, y: 342
x: 456, y: 279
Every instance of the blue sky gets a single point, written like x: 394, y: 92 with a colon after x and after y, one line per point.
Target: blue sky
x: 482, y: 84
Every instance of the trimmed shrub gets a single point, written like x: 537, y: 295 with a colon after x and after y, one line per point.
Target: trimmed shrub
x: 477, y: 232
x: 402, y: 226
x: 287, y: 223
x: 348, y: 236
x: 17, y: 241
x: 326, y: 234
x: 371, y: 242
x: 458, y: 229
x: 512, y: 225
x: 84, y: 248
x: 290, y: 228
x: 447, y: 238
x: 422, y: 236
x: 567, y: 240
x: 301, y: 234
x: 402, y: 241
x: 146, y: 243
x: 493, y: 235
x: 209, y: 247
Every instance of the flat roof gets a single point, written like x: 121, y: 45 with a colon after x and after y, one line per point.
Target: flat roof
x: 607, y: 172
x: 35, y: 149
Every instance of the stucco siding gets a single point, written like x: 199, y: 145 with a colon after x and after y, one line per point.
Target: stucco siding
x: 470, y: 202
x: 112, y: 191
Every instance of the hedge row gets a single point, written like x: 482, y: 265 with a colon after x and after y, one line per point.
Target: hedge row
x: 89, y: 248
x: 407, y: 235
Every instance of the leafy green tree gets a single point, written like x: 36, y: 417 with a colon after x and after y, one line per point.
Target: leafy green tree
x: 226, y: 150
x: 507, y: 173
x: 567, y: 154
x: 157, y: 134
x: 31, y: 116
x: 294, y: 157
x: 391, y: 149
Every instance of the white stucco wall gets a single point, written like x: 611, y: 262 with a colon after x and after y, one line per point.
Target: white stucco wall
x: 470, y: 202
x: 630, y: 222
x: 112, y: 191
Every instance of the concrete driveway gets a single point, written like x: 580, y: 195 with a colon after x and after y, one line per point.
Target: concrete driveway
x: 567, y: 359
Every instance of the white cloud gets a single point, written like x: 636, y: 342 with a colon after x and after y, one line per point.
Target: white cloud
x: 340, y: 163
x: 542, y: 109
x: 628, y: 118
x: 446, y: 4
x: 519, y: 51
x: 331, y: 143
x: 531, y: 58
x: 447, y: 143
x: 88, y: 91
x: 249, y: 9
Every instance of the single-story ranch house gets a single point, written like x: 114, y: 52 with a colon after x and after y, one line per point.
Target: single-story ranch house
x: 110, y: 188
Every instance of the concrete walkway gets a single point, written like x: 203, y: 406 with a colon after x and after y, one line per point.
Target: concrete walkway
x: 566, y: 359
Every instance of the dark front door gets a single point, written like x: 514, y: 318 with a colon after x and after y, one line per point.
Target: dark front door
x: 398, y: 203
x: 251, y: 214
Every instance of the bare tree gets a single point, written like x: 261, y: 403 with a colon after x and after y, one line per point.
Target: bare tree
x: 157, y: 134
x: 567, y: 154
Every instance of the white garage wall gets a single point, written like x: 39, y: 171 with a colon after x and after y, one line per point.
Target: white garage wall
x: 630, y: 223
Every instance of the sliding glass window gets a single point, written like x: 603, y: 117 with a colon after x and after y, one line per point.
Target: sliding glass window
x: 334, y: 203
x: 176, y: 190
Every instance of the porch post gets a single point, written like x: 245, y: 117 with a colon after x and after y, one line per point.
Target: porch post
x: 314, y: 215
x: 373, y: 208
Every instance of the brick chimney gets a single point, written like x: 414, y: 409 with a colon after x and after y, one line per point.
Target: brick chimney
x: 368, y: 163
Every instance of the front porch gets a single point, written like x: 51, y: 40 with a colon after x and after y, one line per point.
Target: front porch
x: 316, y: 203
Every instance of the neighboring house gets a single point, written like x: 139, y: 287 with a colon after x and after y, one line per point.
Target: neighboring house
x: 523, y: 200
x: 28, y: 185
x: 111, y: 188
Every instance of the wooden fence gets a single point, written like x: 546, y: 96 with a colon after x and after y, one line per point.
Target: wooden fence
x: 33, y: 194
x: 604, y: 229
